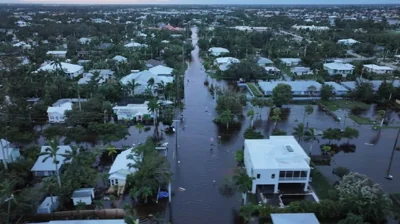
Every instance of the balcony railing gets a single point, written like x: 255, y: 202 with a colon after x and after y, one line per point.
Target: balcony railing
x: 292, y: 178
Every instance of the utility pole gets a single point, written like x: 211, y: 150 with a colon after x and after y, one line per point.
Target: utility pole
x: 79, y: 99
x: 388, y: 176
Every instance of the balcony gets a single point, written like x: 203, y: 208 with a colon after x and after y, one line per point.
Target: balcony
x: 292, y: 178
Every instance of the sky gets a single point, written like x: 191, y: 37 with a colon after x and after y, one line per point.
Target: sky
x: 319, y: 2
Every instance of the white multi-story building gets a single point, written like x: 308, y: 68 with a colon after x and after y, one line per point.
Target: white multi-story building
x: 339, y: 68
x: 274, y: 161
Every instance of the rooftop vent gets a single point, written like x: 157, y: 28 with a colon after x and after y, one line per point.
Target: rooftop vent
x: 289, y: 148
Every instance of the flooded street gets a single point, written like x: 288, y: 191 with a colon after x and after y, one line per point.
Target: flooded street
x: 198, y: 165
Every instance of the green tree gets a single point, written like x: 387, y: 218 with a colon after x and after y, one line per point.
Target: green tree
x: 242, y: 181
x: 250, y: 114
x: 385, y: 90
x: 281, y: 94
x: 327, y: 92
x: 247, y: 211
x: 131, y: 86
x: 140, y: 127
x: 225, y: 118
x: 364, y: 91
x: 352, y: 219
x: 276, y: 115
x: 111, y: 151
x: 332, y: 134
x: 299, y: 132
x: 153, y: 107
x: 350, y: 133
x: 310, y: 137
x: 308, y: 109
x: 341, y: 171
x: 108, y: 132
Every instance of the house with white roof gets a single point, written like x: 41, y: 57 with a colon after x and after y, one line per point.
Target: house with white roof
x: 311, y: 28
x: 22, y: 45
x: 56, y: 113
x: 272, y: 70
x: 135, y: 45
x: 377, y: 69
x: 71, y: 70
x: 161, y: 70
x: 8, y: 153
x: 301, y: 70
x: 132, y: 111
x: 299, y: 87
x: 84, y: 40
x: 274, y: 161
x: 120, y: 59
x: 48, y: 167
x: 289, y: 62
x: 142, y: 79
x: 83, y: 195
x: 339, y: 68
x: 120, y: 169
x: 224, y: 63
x: 348, y: 42
x: 57, y: 54
x: 294, y: 218
x: 218, y: 51
x: 48, y: 205
x: 103, y: 76
x: 261, y: 61
x: 338, y: 89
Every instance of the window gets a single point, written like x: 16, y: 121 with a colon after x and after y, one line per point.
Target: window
x: 303, y: 174
x: 289, y: 173
x: 116, y: 181
x: 296, y: 174
x: 273, y: 176
x: 258, y: 176
x: 282, y: 174
x: 51, y: 117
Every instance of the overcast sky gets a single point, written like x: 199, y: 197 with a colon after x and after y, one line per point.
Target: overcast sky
x: 206, y: 1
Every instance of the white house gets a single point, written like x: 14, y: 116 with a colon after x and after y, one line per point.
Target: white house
x: 347, y: 42
x: 301, y: 71
x: 338, y: 89
x: 311, y: 28
x: 289, y: 62
x: 48, y: 168
x: 120, y: 59
x: 83, y: 195
x: 299, y: 87
x: 120, y: 170
x: 71, y: 70
x: 56, y: 114
x: 8, y: 154
x: 261, y: 61
x: 338, y: 68
x: 84, y: 40
x: 132, y: 111
x: 272, y: 70
x: 225, y: 62
x: 142, y: 79
x: 103, y: 76
x: 57, y: 54
x: 48, y: 205
x: 135, y: 45
x: 218, y: 51
x: 161, y: 70
x: 274, y: 161
x: 22, y: 45
x: 21, y: 23
x: 294, y: 218
x: 377, y: 69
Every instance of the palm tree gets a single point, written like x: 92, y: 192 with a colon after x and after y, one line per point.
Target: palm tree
x: 99, y: 204
x: 111, y: 151
x: 145, y: 192
x: 51, y: 152
x: 131, y: 86
x: 250, y: 114
x: 226, y: 117
x: 276, y: 115
x: 150, y: 84
x: 310, y: 137
x: 242, y: 181
x: 308, y: 109
x: 7, y: 194
x: 153, y: 107
x: 299, y: 131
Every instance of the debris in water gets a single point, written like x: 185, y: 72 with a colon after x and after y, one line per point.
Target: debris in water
x: 181, y: 189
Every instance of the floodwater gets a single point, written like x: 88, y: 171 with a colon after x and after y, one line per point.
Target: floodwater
x: 195, y: 165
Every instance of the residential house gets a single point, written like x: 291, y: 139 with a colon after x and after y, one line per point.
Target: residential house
x: 338, y: 89
x: 311, y: 28
x: 71, y: 70
x: 120, y: 170
x: 289, y: 62
x: 299, y: 87
x: 397, y: 58
x: 120, y: 59
x: 224, y: 63
x: 56, y: 113
x: 57, y: 54
x: 83, y: 195
x: 272, y: 70
x: 377, y: 69
x: 83, y: 54
x: 301, y: 71
x: 347, y: 42
x: 84, y: 40
x: 339, y: 68
x: 153, y: 63
x: 294, y: 218
x: 274, y: 161
x: 142, y: 78
x: 22, y: 45
x: 261, y: 61
x: 161, y: 70
x: 218, y: 51
x: 21, y: 23
x: 135, y: 45
x: 48, y: 205
x: 48, y: 168
x: 103, y: 76
x: 8, y: 153
x: 132, y: 111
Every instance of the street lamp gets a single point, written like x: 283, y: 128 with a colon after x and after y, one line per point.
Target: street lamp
x: 388, y: 176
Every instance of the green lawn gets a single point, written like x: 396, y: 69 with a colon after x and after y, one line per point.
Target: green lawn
x: 334, y: 105
x: 360, y: 119
x: 320, y: 184
x: 256, y: 91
